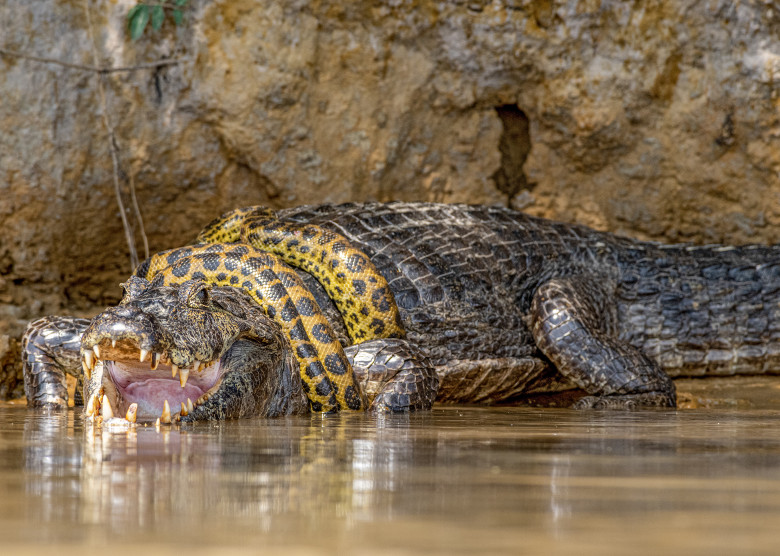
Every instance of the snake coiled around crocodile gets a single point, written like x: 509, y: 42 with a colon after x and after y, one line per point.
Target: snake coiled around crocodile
x: 504, y: 305
x: 326, y: 373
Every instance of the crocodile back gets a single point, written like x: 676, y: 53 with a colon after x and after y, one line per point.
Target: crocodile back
x: 462, y: 276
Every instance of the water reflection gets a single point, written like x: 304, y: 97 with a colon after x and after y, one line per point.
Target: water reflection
x: 454, y: 480
x: 147, y: 478
x: 53, y: 454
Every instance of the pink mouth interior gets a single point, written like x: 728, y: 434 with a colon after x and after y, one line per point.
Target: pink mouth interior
x: 137, y: 383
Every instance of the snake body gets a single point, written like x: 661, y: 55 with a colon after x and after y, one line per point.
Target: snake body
x: 327, y: 375
x: 358, y: 289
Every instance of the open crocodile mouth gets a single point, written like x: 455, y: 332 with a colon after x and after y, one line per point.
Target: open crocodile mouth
x: 144, y: 385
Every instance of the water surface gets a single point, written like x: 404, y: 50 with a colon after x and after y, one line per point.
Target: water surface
x: 451, y: 481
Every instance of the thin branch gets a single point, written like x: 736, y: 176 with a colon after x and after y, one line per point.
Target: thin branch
x: 164, y: 5
x: 96, y: 68
x: 138, y: 217
x: 147, y: 65
x: 103, y: 72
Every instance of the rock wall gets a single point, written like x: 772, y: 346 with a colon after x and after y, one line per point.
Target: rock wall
x: 657, y: 120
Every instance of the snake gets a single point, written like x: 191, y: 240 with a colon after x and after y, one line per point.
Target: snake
x: 360, y: 292
x: 327, y: 376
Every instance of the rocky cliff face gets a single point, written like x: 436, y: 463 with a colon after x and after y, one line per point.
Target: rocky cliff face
x: 656, y: 119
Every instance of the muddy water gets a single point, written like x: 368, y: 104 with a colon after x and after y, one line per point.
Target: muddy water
x: 452, y: 481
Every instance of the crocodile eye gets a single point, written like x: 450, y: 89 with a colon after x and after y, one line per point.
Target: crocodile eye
x: 200, y: 296
x: 194, y: 293
x: 133, y: 288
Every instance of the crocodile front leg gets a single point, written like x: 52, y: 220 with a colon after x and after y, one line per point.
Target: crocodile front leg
x: 51, y: 349
x: 394, y: 374
x: 572, y: 323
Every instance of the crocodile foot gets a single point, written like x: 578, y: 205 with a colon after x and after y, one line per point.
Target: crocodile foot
x: 573, y: 323
x: 395, y: 375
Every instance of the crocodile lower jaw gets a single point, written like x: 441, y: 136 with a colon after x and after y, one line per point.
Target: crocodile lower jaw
x: 146, y: 386
x: 151, y: 389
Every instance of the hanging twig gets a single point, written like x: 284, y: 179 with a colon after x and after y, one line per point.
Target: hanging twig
x: 95, y: 69
x: 102, y: 72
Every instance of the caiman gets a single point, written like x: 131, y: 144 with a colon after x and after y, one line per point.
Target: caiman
x: 460, y: 304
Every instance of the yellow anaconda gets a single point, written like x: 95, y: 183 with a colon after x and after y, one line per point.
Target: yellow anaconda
x: 327, y: 376
x: 360, y: 292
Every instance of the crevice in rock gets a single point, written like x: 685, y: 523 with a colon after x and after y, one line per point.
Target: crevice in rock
x: 725, y: 137
x: 514, y: 145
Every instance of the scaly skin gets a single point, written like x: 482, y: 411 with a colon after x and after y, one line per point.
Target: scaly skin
x: 51, y: 349
x: 150, y: 343
x: 477, y: 292
x: 360, y: 292
x: 197, y: 351
x: 506, y: 305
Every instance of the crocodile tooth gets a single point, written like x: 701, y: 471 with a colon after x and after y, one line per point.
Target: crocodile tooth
x: 105, y: 408
x: 195, y: 366
x: 89, y: 359
x: 87, y: 370
x: 166, y: 413
x: 96, y: 349
x: 157, y: 424
x: 183, y: 411
x: 113, y: 342
x: 132, y: 412
x: 174, y: 370
x: 91, y: 405
x: 184, y: 374
x: 190, y: 407
x: 143, y: 355
x: 155, y: 360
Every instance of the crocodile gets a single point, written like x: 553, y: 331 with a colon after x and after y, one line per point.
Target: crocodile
x: 501, y: 305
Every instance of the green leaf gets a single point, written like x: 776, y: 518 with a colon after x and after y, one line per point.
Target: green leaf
x: 180, y: 2
x: 134, y: 10
x: 177, y: 17
x: 138, y: 22
x: 158, y: 16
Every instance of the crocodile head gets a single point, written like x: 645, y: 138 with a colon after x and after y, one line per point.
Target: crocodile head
x: 188, y: 353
